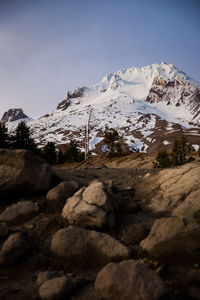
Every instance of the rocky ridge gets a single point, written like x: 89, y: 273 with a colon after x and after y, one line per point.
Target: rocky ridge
x: 12, y: 115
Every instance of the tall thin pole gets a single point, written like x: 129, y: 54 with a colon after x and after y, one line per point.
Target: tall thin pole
x: 87, y: 132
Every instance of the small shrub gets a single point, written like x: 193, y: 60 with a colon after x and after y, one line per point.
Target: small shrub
x: 163, y: 160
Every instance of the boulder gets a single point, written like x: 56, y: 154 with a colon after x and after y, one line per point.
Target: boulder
x: 14, y: 248
x: 194, y: 293
x: 174, y: 239
x: 190, y: 207
x: 165, y: 191
x: 46, y: 275
x: 4, y: 230
x: 90, y: 207
x: 19, y: 212
x: 57, y: 196
x: 56, y: 288
x: 80, y: 248
x: 193, y: 277
x: 23, y: 173
x: 133, y: 234
x: 129, y: 280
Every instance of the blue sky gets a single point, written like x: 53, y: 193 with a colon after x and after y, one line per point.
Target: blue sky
x: 48, y: 47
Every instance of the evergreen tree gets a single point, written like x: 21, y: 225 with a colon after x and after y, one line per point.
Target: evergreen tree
x: 179, y: 152
x: 163, y: 160
x: 22, y: 138
x: 3, y: 136
x: 50, y: 153
x: 175, y: 158
x: 72, y: 152
x: 60, y: 158
x: 110, y: 139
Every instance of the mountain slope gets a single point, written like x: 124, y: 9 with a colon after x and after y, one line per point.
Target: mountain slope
x: 149, y: 106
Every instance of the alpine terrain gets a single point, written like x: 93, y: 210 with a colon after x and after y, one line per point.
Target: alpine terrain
x: 149, y: 107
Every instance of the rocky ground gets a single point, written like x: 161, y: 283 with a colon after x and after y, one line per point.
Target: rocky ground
x: 110, y: 230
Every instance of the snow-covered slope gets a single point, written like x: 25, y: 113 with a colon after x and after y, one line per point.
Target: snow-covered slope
x: 139, y: 102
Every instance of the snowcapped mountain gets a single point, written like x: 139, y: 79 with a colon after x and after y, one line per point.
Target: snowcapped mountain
x: 149, y: 106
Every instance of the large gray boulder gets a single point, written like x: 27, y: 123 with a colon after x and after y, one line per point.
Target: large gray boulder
x: 129, y: 280
x: 23, y: 173
x: 80, y: 248
x: 174, y: 239
x: 57, y: 196
x: 19, y: 212
x: 90, y: 207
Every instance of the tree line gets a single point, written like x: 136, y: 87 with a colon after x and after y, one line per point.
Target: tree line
x: 21, y: 139
x: 179, y: 155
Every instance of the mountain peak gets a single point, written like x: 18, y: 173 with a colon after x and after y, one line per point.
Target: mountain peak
x: 13, y: 114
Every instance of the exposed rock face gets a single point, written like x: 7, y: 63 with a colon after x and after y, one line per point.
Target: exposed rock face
x: 19, y: 213
x: 173, y: 190
x: 77, y: 93
x: 128, y: 280
x: 13, y: 115
x: 55, y: 288
x: 57, y: 196
x: 23, y: 173
x: 90, y: 206
x: 81, y: 248
x: 174, y: 239
x: 14, y: 248
x: 176, y: 93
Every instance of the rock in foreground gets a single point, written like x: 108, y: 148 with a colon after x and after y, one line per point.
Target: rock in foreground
x: 175, y: 240
x: 170, y: 188
x: 19, y: 212
x: 14, y: 248
x: 80, y: 248
x: 55, y: 288
x: 90, y: 206
x: 129, y: 280
x: 23, y: 173
x: 57, y: 196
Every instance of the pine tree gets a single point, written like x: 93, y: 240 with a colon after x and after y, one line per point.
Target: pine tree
x: 163, y: 160
x: 22, y: 138
x: 72, y: 152
x: 175, y: 158
x: 179, y: 152
x: 110, y: 139
x: 49, y: 152
x: 3, y: 136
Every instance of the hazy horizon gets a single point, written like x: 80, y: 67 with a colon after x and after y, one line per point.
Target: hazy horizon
x: 48, y: 47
